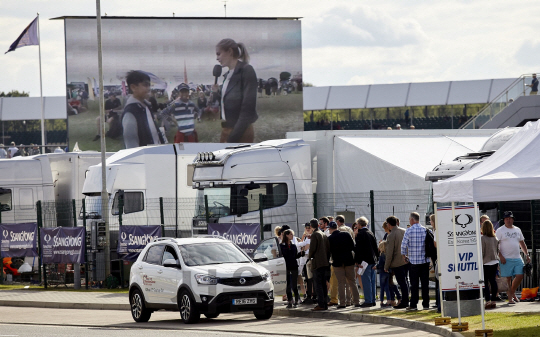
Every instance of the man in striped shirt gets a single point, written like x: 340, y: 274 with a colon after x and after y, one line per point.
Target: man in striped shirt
x: 413, y: 250
x: 184, y: 111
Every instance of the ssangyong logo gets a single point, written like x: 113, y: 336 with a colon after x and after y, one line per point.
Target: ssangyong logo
x: 468, y: 220
x: 242, y: 281
x: 5, y: 233
x: 47, y: 238
x: 216, y: 233
x: 124, y: 236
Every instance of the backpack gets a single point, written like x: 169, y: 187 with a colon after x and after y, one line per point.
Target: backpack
x: 431, y: 250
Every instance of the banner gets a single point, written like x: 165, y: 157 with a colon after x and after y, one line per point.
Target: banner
x: 19, y: 239
x: 466, y: 247
x: 133, y: 239
x: 245, y: 235
x: 63, y: 245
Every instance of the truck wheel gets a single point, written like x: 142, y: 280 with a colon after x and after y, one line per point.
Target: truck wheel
x: 264, y: 314
x: 138, y: 309
x: 212, y: 315
x: 188, y: 310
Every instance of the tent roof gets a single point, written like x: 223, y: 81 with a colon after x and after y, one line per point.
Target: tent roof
x: 395, y: 162
x: 511, y: 173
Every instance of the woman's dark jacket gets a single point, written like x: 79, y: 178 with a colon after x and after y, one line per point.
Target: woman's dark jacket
x: 290, y: 253
x: 240, y: 101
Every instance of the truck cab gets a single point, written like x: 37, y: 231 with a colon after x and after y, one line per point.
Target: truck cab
x: 240, y: 183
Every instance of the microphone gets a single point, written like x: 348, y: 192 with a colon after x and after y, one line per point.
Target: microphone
x: 216, y: 72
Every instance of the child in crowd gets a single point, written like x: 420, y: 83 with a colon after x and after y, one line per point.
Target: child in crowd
x: 384, y: 277
x: 184, y: 111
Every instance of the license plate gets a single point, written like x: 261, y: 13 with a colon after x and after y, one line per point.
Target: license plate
x: 242, y: 301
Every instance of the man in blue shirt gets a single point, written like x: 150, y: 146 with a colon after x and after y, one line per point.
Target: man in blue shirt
x: 413, y: 250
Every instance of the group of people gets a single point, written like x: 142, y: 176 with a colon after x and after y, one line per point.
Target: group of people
x: 501, y: 244
x: 333, y: 258
x: 21, y: 151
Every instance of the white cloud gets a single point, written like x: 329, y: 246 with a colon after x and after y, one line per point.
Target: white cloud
x: 344, y: 42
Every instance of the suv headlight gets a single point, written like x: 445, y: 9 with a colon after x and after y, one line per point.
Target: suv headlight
x: 206, y: 279
x: 266, y: 276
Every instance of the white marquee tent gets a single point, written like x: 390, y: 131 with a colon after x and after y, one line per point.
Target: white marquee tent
x: 511, y: 173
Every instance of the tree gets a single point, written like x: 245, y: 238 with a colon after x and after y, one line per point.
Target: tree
x: 15, y: 93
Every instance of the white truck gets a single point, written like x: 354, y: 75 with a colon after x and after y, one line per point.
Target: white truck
x: 57, y: 177
x: 142, y: 175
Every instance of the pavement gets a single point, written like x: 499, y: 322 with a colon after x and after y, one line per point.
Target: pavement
x: 120, y: 301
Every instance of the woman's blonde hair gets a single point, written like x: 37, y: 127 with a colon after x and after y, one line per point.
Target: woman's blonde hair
x: 487, y: 229
x: 385, y: 225
x: 382, y: 246
x: 276, y: 230
x: 239, y: 50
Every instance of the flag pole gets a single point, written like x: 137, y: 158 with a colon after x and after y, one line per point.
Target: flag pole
x: 104, y: 194
x: 41, y: 91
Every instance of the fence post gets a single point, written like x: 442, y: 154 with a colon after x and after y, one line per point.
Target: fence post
x: 261, y: 217
x: 40, y: 262
x: 162, y: 216
x: 120, y: 209
x: 315, y: 205
x: 533, y: 245
x: 371, y: 203
x: 86, y: 244
x: 73, y: 206
x: 206, y: 212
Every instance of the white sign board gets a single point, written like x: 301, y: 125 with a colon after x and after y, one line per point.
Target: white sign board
x: 467, y: 251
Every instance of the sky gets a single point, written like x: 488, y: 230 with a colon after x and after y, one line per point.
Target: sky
x: 343, y: 42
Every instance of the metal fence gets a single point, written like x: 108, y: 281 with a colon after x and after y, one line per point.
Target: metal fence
x: 184, y: 217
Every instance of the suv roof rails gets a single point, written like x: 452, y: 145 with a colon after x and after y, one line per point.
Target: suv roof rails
x: 209, y: 236
x: 164, y: 239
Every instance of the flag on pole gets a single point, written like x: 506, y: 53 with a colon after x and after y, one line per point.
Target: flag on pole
x: 29, y: 37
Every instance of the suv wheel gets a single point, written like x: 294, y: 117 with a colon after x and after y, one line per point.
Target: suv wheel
x: 188, y: 310
x: 264, y: 314
x: 138, y: 309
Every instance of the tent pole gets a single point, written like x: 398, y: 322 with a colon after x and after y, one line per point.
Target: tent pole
x: 480, y: 268
x: 456, y: 261
x: 438, y: 271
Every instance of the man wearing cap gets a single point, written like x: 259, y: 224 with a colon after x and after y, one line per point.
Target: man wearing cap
x: 12, y: 150
x: 510, y: 240
x: 534, y: 85
x: 341, y: 248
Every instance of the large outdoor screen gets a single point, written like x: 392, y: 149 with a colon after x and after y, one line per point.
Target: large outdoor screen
x: 260, y: 102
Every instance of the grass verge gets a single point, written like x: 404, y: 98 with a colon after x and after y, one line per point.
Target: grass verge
x: 504, y: 324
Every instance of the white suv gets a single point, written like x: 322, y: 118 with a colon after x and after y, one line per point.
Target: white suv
x: 198, y: 276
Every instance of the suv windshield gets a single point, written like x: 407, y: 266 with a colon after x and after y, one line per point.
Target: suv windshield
x: 200, y: 254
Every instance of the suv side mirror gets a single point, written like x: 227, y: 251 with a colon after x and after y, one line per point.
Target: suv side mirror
x: 171, y: 263
x: 260, y: 257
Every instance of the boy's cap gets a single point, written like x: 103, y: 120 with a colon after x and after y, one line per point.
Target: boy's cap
x: 285, y: 227
x: 307, y: 224
x: 508, y: 214
x: 183, y: 86
x: 332, y: 224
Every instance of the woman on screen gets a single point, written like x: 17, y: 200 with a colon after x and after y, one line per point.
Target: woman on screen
x: 239, y: 93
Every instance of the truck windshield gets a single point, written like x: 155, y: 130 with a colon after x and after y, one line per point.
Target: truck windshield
x: 240, y: 199
x: 93, y: 207
x: 201, y: 254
